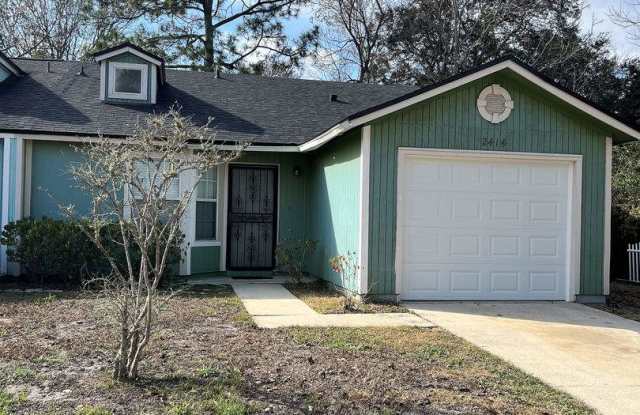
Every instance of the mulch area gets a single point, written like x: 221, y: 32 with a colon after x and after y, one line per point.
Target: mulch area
x: 56, y: 349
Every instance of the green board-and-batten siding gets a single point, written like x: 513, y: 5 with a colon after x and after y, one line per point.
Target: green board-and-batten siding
x: 334, y: 205
x: 539, y: 123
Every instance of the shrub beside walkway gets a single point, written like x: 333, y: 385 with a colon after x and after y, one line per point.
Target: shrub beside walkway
x: 273, y: 306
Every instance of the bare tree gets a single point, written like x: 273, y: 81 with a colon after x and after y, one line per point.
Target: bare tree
x: 352, y: 35
x: 42, y: 28
x: 627, y: 15
x: 137, y: 185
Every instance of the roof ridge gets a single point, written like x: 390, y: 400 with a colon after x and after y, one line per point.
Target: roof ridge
x: 48, y: 60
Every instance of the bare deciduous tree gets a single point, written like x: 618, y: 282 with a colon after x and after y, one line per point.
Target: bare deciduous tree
x: 136, y: 184
x: 352, y: 33
x: 627, y: 15
x: 42, y: 28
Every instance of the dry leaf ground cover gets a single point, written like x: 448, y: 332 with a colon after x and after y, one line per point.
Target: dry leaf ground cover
x: 624, y: 300
x: 208, y: 358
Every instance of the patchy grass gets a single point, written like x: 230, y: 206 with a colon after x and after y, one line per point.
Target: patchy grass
x: 208, y: 358
x: 92, y: 410
x: 6, y: 402
x: 326, y: 300
x: 624, y: 300
x: 447, y: 355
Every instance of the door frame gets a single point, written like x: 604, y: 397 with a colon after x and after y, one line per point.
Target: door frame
x: 225, y: 211
x: 574, y: 206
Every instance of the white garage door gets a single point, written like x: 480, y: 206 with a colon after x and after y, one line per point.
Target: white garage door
x: 483, y: 228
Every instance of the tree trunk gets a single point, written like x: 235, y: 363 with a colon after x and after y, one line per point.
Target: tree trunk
x: 209, y: 58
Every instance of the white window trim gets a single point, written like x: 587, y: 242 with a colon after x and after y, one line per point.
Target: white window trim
x: 143, y: 95
x: 207, y: 242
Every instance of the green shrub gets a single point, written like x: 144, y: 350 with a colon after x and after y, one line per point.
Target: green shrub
x: 48, y: 248
x: 57, y: 250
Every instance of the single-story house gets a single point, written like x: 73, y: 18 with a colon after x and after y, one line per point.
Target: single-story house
x: 492, y: 185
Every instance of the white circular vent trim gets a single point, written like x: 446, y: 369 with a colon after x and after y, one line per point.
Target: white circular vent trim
x: 487, y: 104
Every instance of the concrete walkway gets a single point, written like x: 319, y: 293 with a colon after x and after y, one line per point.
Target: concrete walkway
x: 273, y: 306
x: 591, y: 354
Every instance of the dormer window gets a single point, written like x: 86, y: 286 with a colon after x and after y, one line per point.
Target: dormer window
x: 129, y: 74
x: 128, y: 80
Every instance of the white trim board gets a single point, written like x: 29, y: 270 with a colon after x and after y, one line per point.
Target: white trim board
x: 126, y: 49
x: 523, y: 72
x: 607, y: 217
x: 574, y: 208
x: 363, y: 259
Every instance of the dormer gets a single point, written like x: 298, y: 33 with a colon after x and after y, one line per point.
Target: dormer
x: 8, y: 68
x: 129, y: 74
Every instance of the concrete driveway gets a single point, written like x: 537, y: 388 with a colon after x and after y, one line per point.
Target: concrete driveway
x: 591, y: 354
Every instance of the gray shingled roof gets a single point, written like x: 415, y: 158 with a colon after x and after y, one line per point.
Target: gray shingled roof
x: 249, y: 108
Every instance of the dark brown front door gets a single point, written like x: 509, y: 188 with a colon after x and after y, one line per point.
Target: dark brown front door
x: 251, y: 233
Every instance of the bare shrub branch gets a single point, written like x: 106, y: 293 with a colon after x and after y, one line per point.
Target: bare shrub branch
x: 140, y: 188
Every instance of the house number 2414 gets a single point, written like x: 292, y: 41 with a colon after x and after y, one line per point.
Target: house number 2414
x: 493, y: 142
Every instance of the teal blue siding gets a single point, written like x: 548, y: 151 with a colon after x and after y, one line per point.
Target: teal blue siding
x: 292, y: 196
x: 50, y: 181
x: 334, y: 205
x: 539, y: 123
x: 205, y: 259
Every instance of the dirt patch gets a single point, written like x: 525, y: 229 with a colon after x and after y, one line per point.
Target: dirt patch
x: 624, y: 300
x: 326, y: 300
x: 209, y: 358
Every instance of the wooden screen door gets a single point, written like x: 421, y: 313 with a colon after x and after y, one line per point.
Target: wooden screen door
x: 251, y: 232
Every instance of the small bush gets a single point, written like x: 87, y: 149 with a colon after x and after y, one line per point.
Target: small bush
x: 52, y: 250
x: 291, y: 256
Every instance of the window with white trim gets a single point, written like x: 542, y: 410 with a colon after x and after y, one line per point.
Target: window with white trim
x: 128, y: 80
x: 147, y: 171
x: 207, y: 206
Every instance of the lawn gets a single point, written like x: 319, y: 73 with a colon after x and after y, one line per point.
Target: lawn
x: 326, y: 300
x: 624, y: 300
x: 208, y: 358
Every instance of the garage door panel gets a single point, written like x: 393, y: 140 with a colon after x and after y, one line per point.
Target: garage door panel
x: 506, y: 247
x: 450, y: 282
x: 481, y: 229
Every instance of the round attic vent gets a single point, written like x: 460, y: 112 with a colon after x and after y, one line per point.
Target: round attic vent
x: 495, y: 104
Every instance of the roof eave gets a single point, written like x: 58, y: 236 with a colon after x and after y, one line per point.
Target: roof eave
x: 370, y: 114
